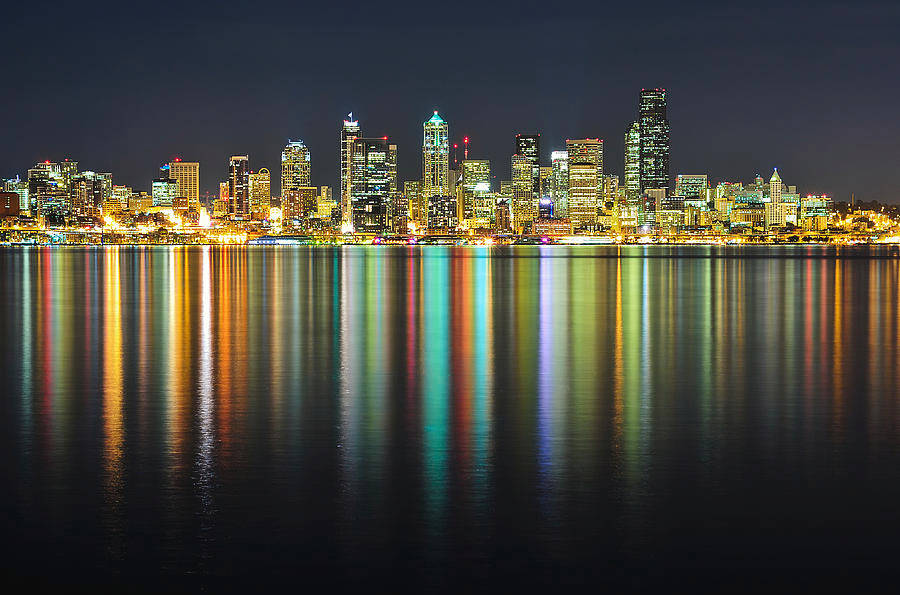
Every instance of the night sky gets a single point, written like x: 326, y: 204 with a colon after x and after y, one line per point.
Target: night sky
x: 811, y: 88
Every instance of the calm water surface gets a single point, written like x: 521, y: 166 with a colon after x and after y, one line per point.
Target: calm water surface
x: 440, y: 417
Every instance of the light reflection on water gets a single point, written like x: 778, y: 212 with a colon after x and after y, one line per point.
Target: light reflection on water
x: 448, y: 413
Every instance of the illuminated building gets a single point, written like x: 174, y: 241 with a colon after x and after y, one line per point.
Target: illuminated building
x: 325, y: 204
x: 585, y: 182
x: 545, y: 226
x: 48, y: 191
x: 587, y: 150
x: 86, y: 189
x: 502, y: 216
x: 690, y: 186
x: 350, y: 131
x: 9, y: 204
x: 442, y: 218
x: 373, y: 183
x: 545, y: 208
x: 669, y: 220
x: 654, y: 139
x: 118, y: 200
x: 529, y: 146
x: 187, y: 176
x: 610, y: 190
x: 239, y: 186
x: 814, y: 213
x: 412, y: 195
x: 583, y: 199
x: 775, y: 185
x: 524, y: 203
x: 261, y: 193
x: 652, y: 202
x: 295, y: 166
x: 476, y: 182
x: 164, y: 188
x: 778, y: 211
x: 559, y: 185
x: 140, y: 202
x: 435, y: 160
x: 633, y: 164
x: 298, y: 205
x: 20, y: 187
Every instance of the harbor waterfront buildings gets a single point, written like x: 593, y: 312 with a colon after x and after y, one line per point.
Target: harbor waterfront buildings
x: 568, y: 194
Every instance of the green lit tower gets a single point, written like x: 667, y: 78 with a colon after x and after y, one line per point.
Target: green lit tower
x: 633, y: 164
x: 435, y: 158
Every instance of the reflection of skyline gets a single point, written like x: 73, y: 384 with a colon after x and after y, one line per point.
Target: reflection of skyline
x: 446, y: 388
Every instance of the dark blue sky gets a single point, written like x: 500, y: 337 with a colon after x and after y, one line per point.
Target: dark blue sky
x: 812, y: 87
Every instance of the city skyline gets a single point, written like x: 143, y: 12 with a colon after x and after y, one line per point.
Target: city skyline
x: 294, y: 150
x: 802, y: 92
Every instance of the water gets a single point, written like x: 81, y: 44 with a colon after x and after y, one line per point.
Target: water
x: 441, y: 418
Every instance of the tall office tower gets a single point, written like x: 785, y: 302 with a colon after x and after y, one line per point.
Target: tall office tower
x: 585, y: 168
x: 239, y: 186
x: 86, y: 190
x: 68, y: 169
x: 775, y: 187
x: 633, y: 164
x: 529, y: 146
x: 164, y: 189
x: 435, y: 159
x: 373, y: 183
x: 583, y: 196
x: 47, y: 190
x: 610, y: 190
x: 546, y: 182
x: 524, y: 205
x: 412, y: 195
x: 350, y: 131
x: 105, y: 184
x: 119, y: 199
x: 476, y: 182
x: 587, y: 151
x: 654, y: 143
x: 295, y: 170
x: 20, y: 187
x: 261, y: 193
x: 691, y: 186
x: 559, y: 185
x: 187, y: 176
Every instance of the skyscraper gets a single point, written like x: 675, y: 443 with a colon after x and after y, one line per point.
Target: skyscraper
x: 187, y: 178
x: 529, y: 146
x: 633, y: 164
x: 435, y: 159
x: 775, y: 187
x: 260, y: 193
x: 373, y: 183
x: 476, y: 182
x: 524, y: 204
x: 350, y: 131
x: 239, y: 186
x: 164, y: 189
x: 585, y: 181
x: 87, y: 194
x: 654, y: 141
x: 295, y: 166
x: 559, y: 185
